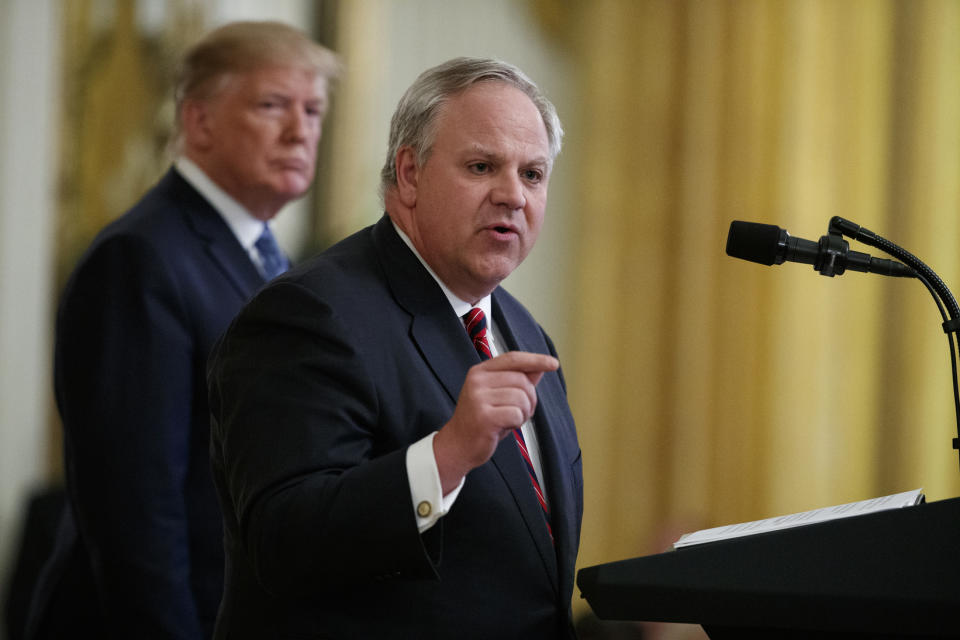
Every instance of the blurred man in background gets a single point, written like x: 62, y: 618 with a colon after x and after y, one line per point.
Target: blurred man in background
x: 139, y: 553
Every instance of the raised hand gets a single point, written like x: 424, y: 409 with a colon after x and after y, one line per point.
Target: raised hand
x: 497, y: 396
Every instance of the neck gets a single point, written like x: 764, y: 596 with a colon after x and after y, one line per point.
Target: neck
x: 260, y: 208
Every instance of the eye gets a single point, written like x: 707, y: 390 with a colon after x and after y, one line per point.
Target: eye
x: 480, y: 167
x: 272, y: 102
x: 269, y: 105
x: 532, y: 175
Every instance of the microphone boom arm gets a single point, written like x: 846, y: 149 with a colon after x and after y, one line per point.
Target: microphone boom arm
x: 933, y: 282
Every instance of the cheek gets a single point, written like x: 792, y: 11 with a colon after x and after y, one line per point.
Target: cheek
x: 311, y: 142
x: 247, y: 155
x: 535, y: 219
x: 257, y: 136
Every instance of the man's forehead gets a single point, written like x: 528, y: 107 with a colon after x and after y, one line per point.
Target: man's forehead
x: 282, y: 78
x: 483, y: 118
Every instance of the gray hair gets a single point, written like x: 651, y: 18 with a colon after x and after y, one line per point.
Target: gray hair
x: 413, y: 120
x: 241, y: 47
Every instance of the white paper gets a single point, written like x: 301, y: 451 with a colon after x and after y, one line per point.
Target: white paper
x: 895, y: 501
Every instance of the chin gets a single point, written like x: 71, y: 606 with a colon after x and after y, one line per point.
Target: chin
x: 293, y: 184
x: 290, y: 192
x: 493, y: 277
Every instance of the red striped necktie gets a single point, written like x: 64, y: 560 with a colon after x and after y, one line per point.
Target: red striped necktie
x: 476, y: 323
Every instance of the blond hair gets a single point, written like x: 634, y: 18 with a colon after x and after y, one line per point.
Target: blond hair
x: 241, y: 47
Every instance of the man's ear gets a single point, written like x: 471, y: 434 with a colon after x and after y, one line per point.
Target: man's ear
x: 195, y: 122
x: 408, y: 176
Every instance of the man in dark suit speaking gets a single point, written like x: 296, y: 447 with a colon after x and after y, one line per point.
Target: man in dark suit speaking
x: 391, y: 440
x: 140, y: 552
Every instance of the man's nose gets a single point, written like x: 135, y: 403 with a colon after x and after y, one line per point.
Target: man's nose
x: 298, y: 126
x: 508, y: 191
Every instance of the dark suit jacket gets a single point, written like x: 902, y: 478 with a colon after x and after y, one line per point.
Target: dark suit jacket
x: 317, y: 389
x: 135, y: 326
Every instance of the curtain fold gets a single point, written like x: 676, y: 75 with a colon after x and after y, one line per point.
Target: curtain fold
x: 709, y: 390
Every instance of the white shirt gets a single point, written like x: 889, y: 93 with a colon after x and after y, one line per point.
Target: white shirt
x: 422, y: 469
x: 245, y: 227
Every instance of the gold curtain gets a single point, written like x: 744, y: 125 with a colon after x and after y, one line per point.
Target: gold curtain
x: 709, y: 390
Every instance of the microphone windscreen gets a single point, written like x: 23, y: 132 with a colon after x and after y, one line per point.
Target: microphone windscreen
x: 753, y: 241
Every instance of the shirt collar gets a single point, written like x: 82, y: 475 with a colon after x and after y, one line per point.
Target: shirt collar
x: 245, y: 227
x: 459, y: 306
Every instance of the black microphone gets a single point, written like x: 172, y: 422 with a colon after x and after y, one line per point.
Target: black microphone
x: 769, y: 245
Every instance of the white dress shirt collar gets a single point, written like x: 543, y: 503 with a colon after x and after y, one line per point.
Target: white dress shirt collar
x: 245, y: 227
x: 459, y: 306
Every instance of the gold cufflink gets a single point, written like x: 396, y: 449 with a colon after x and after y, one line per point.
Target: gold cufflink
x: 424, y: 509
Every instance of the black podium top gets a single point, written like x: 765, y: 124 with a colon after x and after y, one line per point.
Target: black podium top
x: 888, y: 574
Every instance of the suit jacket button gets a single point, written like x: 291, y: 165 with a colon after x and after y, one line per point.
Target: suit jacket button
x: 424, y: 509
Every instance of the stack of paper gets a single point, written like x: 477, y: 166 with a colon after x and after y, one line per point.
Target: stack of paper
x: 895, y: 501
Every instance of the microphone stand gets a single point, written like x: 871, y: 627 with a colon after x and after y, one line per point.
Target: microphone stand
x: 941, y: 294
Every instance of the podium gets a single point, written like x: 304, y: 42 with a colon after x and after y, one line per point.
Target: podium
x: 889, y: 575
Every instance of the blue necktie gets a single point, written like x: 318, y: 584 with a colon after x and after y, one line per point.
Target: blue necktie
x: 272, y: 260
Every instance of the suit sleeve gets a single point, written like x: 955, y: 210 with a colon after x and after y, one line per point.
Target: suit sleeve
x: 318, y: 487
x: 125, y: 388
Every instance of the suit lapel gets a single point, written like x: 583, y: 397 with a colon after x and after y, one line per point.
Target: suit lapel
x: 222, y: 246
x: 554, y: 432
x: 448, y: 354
x: 435, y: 330
x: 511, y: 466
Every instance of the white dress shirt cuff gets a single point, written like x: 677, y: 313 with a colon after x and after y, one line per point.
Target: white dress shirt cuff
x: 429, y: 503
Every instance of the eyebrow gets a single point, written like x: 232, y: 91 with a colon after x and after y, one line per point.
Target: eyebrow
x: 285, y: 96
x: 479, y: 149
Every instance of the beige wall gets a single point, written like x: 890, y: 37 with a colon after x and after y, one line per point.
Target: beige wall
x: 28, y: 111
